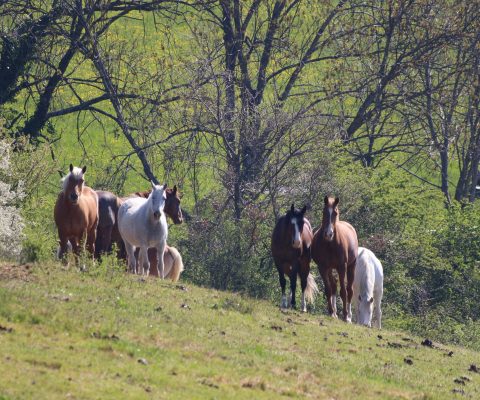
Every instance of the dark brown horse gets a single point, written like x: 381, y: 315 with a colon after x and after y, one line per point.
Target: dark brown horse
x: 291, y: 241
x: 107, y: 231
x: 335, y: 246
x: 76, y: 213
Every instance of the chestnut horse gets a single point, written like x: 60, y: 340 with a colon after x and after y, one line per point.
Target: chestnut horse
x: 76, y: 213
x: 335, y: 246
x: 291, y: 240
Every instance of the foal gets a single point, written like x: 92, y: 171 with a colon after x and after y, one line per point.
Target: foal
x: 335, y: 246
x: 76, y: 213
x: 291, y: 240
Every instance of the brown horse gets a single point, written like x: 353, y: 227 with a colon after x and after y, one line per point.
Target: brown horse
x: 335, y: 246
x: 291, y: 241
x: 76, y: 213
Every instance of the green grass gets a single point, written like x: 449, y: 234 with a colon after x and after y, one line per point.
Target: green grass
x: 85, y: 335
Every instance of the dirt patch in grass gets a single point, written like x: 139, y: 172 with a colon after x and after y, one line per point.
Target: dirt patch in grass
x: 22, y: 272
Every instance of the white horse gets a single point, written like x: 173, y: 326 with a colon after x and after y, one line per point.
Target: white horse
x: 368, y: 284
x: 142, y: 223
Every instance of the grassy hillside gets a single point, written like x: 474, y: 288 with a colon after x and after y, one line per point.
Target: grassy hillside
x: 105, y: 334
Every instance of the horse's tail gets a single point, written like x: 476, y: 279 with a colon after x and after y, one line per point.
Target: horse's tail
x: 312, y: 289
x: 177, y: 267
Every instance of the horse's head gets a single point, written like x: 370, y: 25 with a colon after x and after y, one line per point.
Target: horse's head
x: 330, y: 217
x: 156, y: 200
x: 172, y: 205
x: 73, y: 183
x: 295, y: 223
x: 365, y: 309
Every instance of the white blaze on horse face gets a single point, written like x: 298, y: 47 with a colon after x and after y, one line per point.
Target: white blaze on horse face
x: 297, y: 243
x: 329, y: 232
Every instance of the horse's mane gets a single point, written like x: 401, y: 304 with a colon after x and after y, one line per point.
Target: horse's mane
x: 77, y: 173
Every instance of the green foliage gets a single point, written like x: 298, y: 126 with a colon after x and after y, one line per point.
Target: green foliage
x: 230, y: 255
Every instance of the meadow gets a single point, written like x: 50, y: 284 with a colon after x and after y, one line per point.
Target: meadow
x: 105, y: 334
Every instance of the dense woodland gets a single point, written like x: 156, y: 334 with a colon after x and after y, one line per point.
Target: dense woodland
x: 248, y: 106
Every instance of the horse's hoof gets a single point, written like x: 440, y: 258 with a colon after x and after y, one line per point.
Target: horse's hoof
x: 304, y: 309
x: 334, y: 315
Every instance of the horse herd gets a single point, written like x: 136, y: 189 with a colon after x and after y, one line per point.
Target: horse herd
x: 98, y: 219
x: 333, y: 247
x: 137, y: 224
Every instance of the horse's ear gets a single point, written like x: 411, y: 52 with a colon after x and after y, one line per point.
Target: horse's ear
x: 292, y: 208
x: 71, y: 167
x: 325, y: 200
x: 175, y: 189
x: 336, y: 201
x: 304, y: 210
x: 164, y: 186
x: 153, y: 185
x: 84, y: 169
x: 60, y: 173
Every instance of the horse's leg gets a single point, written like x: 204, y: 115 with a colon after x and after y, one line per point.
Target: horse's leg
x: 160, y: 261
x: 75, y: 246
x: 304, y: 271
x: 377, y: 298
x: 293, y: 284
x: 63, y: 247
x: 283, y: 284
x: 328, y: 291
x: 132, y: 264
x: 103, y: 243
x: 143, y: 261
x: 152, y: 258
x: 98, y: 243
x: 343, y: 291
x: 333, y: 292
x: 91, y: 237
x: 350, y: 280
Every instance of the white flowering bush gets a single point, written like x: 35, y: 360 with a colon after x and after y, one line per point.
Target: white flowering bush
x: 11, y: 194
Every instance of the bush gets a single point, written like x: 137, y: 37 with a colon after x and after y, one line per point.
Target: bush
x: 230, y: 255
